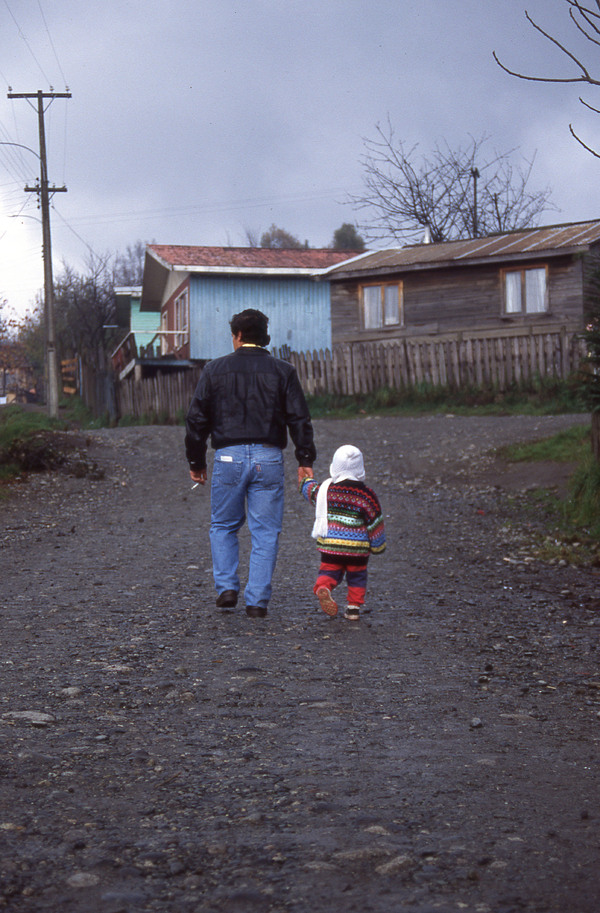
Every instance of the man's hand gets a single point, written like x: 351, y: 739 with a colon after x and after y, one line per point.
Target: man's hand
x: 198, y: 476
x: 305, y: 472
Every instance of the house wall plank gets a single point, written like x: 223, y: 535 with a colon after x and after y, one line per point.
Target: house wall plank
x: 298, y: 310
x: 448, y: 300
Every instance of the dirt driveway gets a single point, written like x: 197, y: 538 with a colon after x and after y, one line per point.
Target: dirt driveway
x: 157, y: 755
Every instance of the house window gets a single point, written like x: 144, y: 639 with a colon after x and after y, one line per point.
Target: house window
x: 164, y: 325
x: 525, y: 291
x: 382, y: 305
x: 181, y: 320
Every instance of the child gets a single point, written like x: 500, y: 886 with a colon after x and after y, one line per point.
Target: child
x: 348, y: 528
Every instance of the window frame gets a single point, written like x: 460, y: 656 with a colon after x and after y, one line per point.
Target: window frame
x: 181, y: 319
x: 397, y: 283
x: 523, y: 270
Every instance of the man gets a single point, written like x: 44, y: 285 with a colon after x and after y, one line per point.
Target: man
x: 246, y: 402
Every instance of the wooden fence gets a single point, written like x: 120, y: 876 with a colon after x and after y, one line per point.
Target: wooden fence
x: 165, y: 395
x: 97, y: 389
x: 453, y: 361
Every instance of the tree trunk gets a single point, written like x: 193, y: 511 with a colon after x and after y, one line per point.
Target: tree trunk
x: 596, y: 434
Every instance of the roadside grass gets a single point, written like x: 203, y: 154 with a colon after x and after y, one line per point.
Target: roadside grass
x: 29, y: 435
x: 570, y: 446
x: 577, y: 517
x: 542, y: 397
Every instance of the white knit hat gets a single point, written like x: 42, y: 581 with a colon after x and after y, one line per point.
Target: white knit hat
x: 347, y: 463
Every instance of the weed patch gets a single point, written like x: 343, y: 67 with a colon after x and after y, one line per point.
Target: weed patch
x: 542, y: 397
x: 30, y: 441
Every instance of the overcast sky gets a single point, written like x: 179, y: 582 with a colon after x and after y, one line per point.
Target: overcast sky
x: 193, y: 121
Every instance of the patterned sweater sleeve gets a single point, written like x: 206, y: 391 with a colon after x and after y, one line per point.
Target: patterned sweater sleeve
x: 375, y: 525
x: 309, y: 489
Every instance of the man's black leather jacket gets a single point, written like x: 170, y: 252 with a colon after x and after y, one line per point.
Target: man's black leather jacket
x: 248, y: 397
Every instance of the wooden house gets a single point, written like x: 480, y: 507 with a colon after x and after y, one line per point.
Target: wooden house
x: 196, y: 291
x: 140, y: 345
x: 505, y: 284
x: 143, y: 325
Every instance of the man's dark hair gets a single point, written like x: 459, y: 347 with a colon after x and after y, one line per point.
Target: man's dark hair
x: 253, y: 326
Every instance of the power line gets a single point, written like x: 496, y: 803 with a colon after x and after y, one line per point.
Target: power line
x: 22, y: 36
x: 222, y: 206
x: 4, y: 77
x: 52, y: 44
x: 71, y: 229
x: 13, y: 157
x: 15, y: 217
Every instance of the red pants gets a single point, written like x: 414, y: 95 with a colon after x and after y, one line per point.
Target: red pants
x: 332, y: 571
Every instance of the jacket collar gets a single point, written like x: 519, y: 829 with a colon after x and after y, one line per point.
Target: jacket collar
x: 250, y: 350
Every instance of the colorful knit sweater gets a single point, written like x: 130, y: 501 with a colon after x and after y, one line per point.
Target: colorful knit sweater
x: 354, y: 520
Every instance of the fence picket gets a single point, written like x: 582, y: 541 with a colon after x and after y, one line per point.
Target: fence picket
x: 352, y: 368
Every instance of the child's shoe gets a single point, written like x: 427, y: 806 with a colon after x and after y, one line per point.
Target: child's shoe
x: 352, y: 613
x: 328, y: 604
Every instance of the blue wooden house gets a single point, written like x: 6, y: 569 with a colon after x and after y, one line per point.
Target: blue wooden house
x: 196, y: 291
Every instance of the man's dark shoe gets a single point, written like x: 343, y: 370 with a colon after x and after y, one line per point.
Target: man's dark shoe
x: 256, y: 611
x: 227, y: 599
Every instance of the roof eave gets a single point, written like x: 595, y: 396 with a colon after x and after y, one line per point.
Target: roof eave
x: 247, y: 270
x: 156, y: 271
x: 455, y: 262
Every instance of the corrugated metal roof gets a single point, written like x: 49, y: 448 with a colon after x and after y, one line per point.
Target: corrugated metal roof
x: 195, y: 259
x: 551, y: 240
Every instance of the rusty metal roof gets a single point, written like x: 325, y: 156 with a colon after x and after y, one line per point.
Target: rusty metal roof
x: 552, y: 240
x: 241, y: 259
x: 164, y: 260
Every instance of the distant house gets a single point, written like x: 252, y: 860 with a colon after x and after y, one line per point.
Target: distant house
x: 144, y: 325
x: 141, y: 341
x: 514, y: 281
x: 17, y: 377
x: 196, y: 291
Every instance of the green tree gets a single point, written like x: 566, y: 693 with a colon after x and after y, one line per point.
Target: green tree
x: 280, y: 239
x: 591, y: 374
x: 346, y: 237
x: 32, y: 336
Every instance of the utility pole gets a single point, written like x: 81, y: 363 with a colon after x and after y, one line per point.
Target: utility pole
x: 475, y: 175
x: 43, y: 190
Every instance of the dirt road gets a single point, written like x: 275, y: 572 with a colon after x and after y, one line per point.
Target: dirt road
x: 157, y: 755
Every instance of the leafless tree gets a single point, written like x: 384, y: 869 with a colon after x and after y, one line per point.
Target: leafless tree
x: 129, y: 267
x: 252, y: 236
x: 450, y: 194
x: 587, y: 22
x: 85, y: 310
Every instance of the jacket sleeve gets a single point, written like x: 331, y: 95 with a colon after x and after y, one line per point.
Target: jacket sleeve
x: 198, y: 424
x: 298, y: 421
x: 376, y: 528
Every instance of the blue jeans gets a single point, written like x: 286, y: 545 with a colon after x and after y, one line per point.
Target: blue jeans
x: 249, y: 474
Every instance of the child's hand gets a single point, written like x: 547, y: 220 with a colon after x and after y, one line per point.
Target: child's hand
x: 305, y: 472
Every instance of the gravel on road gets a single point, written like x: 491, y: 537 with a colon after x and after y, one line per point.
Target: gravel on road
x: 160, y: 755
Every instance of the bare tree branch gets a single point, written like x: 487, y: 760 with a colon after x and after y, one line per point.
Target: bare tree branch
x: 578, y: 25
x: 406, y: 193
x: 585, y: 74
x: 587, y: 22
x: 581, y: 143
